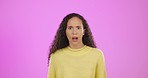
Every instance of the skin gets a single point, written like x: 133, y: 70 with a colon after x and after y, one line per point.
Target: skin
x: 75, y: 29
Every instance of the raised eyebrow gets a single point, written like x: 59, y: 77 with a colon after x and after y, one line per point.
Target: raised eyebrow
x: 69, y: 26
x: 78, y: 26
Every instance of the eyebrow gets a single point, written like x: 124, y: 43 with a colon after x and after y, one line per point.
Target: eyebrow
x: 69, y: 26
x: 78, y: 26
x: 72, y: 26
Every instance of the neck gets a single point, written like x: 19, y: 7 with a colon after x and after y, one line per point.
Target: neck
x: 77, y: 46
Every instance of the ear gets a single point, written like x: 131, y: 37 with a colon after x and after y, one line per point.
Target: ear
x: 83, y: 31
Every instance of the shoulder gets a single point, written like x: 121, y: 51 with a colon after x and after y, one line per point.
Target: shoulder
x: 57, y: 53
x: 97, y: 51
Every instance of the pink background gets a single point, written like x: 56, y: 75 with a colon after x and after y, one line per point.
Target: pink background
x: 27, y: 27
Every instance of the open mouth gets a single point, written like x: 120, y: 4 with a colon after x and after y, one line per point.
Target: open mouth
x: 74, y: 39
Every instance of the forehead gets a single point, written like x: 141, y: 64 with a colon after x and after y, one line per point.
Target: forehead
x: 74, y: 21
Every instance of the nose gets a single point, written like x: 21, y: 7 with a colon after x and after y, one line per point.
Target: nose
x: 74, y: 31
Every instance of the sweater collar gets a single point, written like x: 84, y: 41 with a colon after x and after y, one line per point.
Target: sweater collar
x: 76, y: 50
x: 79, y: 51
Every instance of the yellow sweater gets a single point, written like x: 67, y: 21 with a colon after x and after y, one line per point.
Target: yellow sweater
x: 86, y: 62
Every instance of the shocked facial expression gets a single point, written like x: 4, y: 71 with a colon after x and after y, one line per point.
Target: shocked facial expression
x: 75, y: 31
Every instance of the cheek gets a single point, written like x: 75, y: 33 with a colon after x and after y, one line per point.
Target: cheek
x: 68, y: 34
x: 81, y: 33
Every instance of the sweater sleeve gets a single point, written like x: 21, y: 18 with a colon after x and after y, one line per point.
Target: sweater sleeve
x: 51, y: 68
x: 100, y: 67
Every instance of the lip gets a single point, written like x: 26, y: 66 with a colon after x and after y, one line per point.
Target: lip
x: 74, y: 37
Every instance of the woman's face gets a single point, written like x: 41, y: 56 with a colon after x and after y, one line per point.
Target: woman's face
x: 75, y: 31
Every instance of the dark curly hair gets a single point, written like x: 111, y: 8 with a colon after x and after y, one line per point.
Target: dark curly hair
x: 61, y: 41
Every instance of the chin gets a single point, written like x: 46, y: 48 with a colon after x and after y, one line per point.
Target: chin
x: 75, y: 42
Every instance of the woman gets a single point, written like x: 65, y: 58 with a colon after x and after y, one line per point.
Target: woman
x: 73, y: 53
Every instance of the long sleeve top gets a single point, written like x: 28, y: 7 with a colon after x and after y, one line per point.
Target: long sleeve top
x: 86, y: 62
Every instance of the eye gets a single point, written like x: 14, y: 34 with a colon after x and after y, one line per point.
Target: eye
x: 69, y: 27
x: 78, y: 27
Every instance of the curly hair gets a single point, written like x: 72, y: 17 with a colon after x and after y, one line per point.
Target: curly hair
x: 61, y: 41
